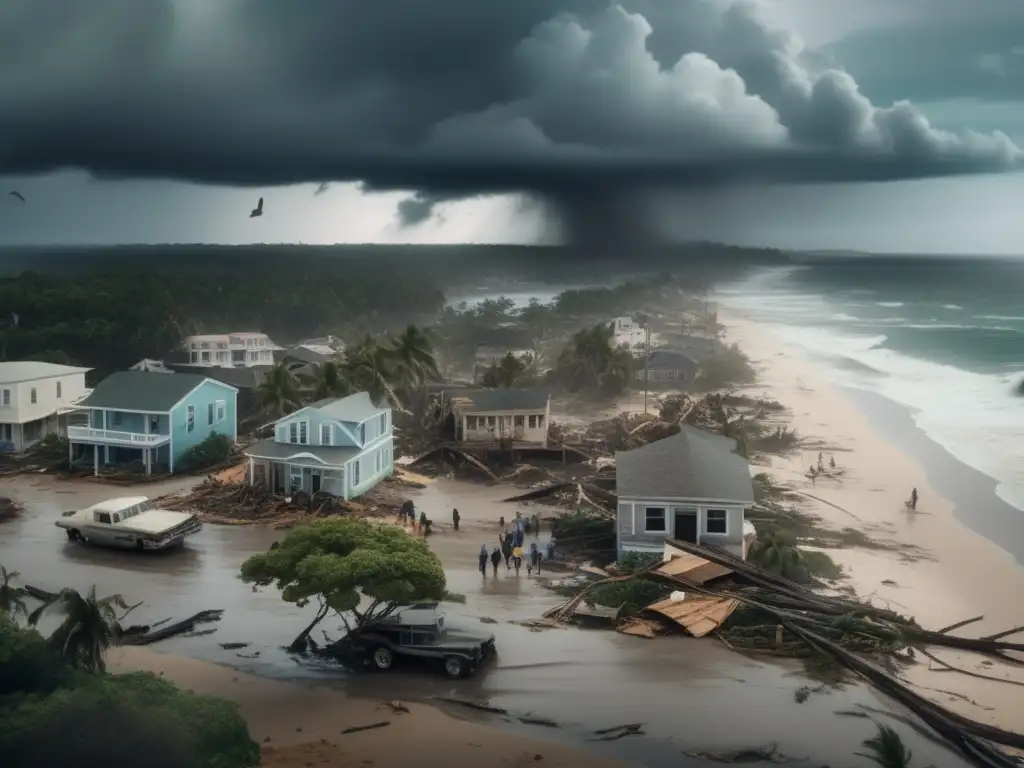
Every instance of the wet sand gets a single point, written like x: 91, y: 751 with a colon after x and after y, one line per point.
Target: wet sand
x: 691, y: 695
x: 961, y: 575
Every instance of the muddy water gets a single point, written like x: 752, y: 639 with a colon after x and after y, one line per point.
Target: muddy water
x: 691, y: 695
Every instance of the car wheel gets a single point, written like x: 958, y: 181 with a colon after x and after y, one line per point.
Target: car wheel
x: 454, y: 667
x: 72, y: 534
x: 382, y: 659
x: 139, y: 545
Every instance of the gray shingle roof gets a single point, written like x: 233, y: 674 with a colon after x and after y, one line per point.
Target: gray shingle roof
x: 482, y: 400
x: 352, y: 409
x: 693, y: 464
x: 142, y: 391
x: 667, y: 360
x: 328, y: 454
x: 240, y: 378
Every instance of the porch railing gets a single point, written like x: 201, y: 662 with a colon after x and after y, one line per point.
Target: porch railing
x: 115, y: 436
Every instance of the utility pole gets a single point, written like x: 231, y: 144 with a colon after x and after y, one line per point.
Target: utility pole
x: 647, y: 359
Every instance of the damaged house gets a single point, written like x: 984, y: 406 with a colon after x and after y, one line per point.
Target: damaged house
x: 691, y: 486
x: 508, y: 417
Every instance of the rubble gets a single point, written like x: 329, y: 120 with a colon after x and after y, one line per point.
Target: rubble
x: 9, y: 509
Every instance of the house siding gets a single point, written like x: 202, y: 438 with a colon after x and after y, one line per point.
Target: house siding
x: 633, y: 536
x: 200, y: 398
x: 536, y: 435
x: 343, y: 433
x: 368, y: 473
x: 30, y: 422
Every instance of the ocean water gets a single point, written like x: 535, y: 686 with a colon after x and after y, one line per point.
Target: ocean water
x: 943, y: 337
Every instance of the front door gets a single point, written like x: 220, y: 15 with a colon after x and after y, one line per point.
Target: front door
x: 316, y: 480
x: 686, y: 525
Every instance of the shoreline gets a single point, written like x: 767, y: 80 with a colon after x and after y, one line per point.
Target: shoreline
x: 963, y: 573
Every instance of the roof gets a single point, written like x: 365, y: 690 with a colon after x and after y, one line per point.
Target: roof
x: 482, y: 400
x: 29, y: 370
x: 303, y: 354
x: 667, y: 360
x: 353, y: 409
x: 142, y: 391
x: 693, y: 464
x: 328, y: 454
x: 248, y: 377
x: 116, y: 504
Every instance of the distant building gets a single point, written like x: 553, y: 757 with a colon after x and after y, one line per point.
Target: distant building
x: 514, y: 417
x: 151, y: 366
x: 151, y: 417
x: 342, y: 446
x: 691, y: 486
x: 33, y: 397
x: 230, y: 350
x: 665, y: 367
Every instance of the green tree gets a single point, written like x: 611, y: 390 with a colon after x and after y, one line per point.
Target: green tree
x: 279, y: 391
x: 89, y: 628
x: 12, y: 599
x: 592, y: 362
x: 349, y: 567
x: 776, y: 551
x: 327, y: 380
x: 504, y: 374
x: 414, y: 350
x: 887, y: 749
x: 27, y: 662
x: 371, y: 368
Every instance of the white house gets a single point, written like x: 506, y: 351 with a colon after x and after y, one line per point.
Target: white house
x: 691, y: 486
x: 516, y: 417
x: 342, y: 446
x: 230, y: 350
x: 33, y: 397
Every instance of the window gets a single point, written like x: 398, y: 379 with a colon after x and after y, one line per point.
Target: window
x: 490, y: 422
x: 519, y: 421
x: 377, y: 459
x: 116, y: 517
x: 325, y: 434
x: 540, y: 422
x: 533, y: 422
x: 362, y: 433
x: 383, y: 423
x: 117, y: 418
x: 103, y: 517
x: 654, y: 520
x: 293, y: 432
x: 32, y: 395
x: 58, y: 390
x: 190, y: 419
x: 6, y: 432
x: 422, y: 638
x: 222, y: 409
x: 716, y: 521
x: 355, y: 473
x: 303, y: 432
x: 471, y: 422
x: 209, y: 413
x: 7, y: 397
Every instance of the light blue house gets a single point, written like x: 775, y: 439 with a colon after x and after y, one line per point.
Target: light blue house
x: 151, y: 417
x: 340, y: 446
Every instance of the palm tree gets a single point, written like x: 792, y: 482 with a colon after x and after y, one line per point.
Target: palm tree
x: 887, y: 749
x: 89, y: 628
x: 327, y: 380
x: 776, y: 552
x: 592, y: 361
x: 12, y: 599
x: 415, y: 349
x: 279, y: 391
x: 371, y: 368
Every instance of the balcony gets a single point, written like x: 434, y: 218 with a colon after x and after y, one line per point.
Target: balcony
x: 114, y: 437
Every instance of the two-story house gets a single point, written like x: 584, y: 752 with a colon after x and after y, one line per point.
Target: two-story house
x: 33, y: 397
x: 691, y: 486
x: 230, y: 350
x: 342, y: 446
x: 152, y: 417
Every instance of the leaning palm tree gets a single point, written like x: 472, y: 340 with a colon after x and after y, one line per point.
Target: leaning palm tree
x: 89, y: 628
x: 327, y: 380
x: 12, y: 599
x: 414, y: 349
x: 886, y: 749
x: 279, y: 391
x: 776, y: 552
x: 372, y: 368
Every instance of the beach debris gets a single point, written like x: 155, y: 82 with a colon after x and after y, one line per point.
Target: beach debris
x: 233, y: 646
x: 619, y: 732
x: 396, y: 706
x: 541, y: 721
x: 147, y: 634
x: 9, y: 509
x: 769, y: 754
x: 370, y: 727
x: 473, y: 705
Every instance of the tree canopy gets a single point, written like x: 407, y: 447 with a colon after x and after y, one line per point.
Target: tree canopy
x: 592, y: 362
x: 348, y: 566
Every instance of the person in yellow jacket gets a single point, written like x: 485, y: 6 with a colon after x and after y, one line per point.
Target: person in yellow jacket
x: 517, y: 558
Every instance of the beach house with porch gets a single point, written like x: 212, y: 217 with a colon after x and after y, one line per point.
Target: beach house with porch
x: 342, y: 446
x: 34, y: 399
x: 515, y: 418
x: 151, y: 417
x: 691, y: 486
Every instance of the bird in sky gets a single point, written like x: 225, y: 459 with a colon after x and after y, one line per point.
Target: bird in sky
x: 17, y: 194
x: 258, y: 210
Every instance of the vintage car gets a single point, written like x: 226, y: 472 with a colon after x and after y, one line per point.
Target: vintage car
x: 419, y: 632
x: 129, y: 522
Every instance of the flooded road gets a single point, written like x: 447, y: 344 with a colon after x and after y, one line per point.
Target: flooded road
x: 691, y: 695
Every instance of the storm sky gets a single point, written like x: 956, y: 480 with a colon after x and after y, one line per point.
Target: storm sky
x: 891, y: 125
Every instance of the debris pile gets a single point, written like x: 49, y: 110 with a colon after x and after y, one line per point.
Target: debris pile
x: 9, y: 509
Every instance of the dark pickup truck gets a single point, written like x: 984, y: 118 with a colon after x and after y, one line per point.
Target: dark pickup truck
x: 424, y: 638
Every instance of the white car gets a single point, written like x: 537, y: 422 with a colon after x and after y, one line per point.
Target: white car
x: 129, y: 522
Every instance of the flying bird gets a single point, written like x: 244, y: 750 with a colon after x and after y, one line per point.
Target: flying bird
x: 258, y: 210
x: 17, y: 194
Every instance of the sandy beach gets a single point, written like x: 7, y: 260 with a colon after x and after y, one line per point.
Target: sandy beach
x: 302, y: 725
x: 958, y: 575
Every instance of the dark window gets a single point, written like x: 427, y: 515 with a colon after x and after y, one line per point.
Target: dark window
x: 654, y: 519
x: 58, y: 391
x: 717, y: 521
x: 32, y: 395
x: 191, y: 419
x: 209, y: 413
x: 103, y: 517
x: 117, y: 419
x: 302, y: 432
x: 293, y: 432
x: 422, y: 638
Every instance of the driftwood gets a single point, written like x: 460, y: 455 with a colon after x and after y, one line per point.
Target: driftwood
x: 370, y: 727
x: 540, y: 493
x: 147, y: 634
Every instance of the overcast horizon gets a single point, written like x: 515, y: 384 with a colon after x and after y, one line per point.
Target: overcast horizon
x: 886, y: 127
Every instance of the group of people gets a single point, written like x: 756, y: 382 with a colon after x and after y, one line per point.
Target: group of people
x: 408, y: 512
x: 510, y: 547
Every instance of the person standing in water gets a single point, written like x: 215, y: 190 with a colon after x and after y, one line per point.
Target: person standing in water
x: 455, y: 519
x: 533, y: 564
x: 517, y: 558
x: 483, y: 560
x: 913, y: 499
x: 495, y: 559
x: 506, y: 549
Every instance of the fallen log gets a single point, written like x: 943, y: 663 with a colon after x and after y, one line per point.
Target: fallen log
x: 540, y: 493
x: 473, y: 461
x: 370, y: 727
x: 147, y: 635
x: 959, y: 624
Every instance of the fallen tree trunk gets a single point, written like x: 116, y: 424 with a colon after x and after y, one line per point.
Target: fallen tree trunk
x: 147, y: 635
x: 540, y: 493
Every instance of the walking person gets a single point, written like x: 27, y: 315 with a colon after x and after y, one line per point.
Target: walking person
x: 483, y: 560
x: 913, y: 499
x: 536, y: 526
x: 506, y: 549
x: 495, y: 559
x: 455, y: 519
x: 423, y: 523
x: 502, y: 527
x: 517, y: 558
x: 534, y: 563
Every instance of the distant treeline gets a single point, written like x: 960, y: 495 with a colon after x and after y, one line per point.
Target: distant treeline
x: 112, y: 319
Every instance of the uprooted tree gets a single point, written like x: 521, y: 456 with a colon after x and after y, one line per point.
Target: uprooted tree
x: 358, y: 570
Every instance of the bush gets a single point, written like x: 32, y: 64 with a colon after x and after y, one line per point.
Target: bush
x: 631, y: 562
x: 125, y: 721
x: 53, y: 449
x: 728, y: 368
x: 633, y: 596
x: 212, y: 451
x: 27, y: 663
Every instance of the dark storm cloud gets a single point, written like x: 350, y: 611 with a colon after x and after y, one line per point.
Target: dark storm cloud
x: 577, y: 102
